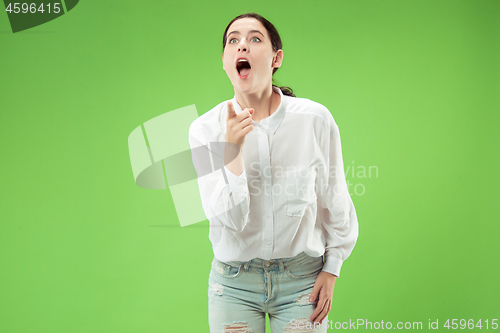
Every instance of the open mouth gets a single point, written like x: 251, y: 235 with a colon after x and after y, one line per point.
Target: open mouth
x: 243, y: 67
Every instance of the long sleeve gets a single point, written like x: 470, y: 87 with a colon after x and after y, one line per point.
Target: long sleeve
x: 335, y: 207
x: 225, y: 197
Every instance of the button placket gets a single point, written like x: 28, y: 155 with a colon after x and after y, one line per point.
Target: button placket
x: 266, y: 179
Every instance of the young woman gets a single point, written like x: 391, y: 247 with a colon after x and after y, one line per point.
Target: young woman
x: 279, y: 203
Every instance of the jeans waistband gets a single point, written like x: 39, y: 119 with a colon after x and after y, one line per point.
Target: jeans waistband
x: 259, y: 262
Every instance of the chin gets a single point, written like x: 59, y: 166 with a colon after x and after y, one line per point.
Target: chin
x: 245, y: 89
x: 243, y: 86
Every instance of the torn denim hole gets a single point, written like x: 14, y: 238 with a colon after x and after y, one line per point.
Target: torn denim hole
x: 237, y: 327
x: 303, y: 300
x: 216, y: 289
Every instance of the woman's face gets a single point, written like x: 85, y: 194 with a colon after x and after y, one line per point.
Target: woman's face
x: 248, y: 38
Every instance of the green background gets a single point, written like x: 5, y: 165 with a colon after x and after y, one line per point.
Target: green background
x: 413, y: 85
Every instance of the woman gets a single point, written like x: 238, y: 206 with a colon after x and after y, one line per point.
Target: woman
x: 279, y: 203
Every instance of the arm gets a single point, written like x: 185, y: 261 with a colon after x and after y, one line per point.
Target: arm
x: 335, y: 207
x: 224, y: 195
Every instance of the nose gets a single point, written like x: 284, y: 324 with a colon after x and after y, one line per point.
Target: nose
x: 243, y: 46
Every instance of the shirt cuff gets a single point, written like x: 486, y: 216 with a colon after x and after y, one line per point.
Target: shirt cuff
x: 235, y: 182
x: 332, y: 265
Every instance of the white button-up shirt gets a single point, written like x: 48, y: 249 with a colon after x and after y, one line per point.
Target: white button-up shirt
x: 292, y: 195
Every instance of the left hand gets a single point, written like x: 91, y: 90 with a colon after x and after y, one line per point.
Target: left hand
x: 325, y: 282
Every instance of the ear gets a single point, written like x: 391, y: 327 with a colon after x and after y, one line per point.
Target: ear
x: 278, y: 59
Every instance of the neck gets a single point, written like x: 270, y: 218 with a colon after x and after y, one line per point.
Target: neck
x: 262, y: 102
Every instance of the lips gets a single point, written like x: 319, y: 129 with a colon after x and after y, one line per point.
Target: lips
x: 243, y: 67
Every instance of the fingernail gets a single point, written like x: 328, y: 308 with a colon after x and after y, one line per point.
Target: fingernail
x: 311, y: 298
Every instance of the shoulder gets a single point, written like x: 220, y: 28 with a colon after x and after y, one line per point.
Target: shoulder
x: 301, y: 105
x: 207, y: 127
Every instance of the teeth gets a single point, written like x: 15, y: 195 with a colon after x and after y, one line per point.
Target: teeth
x: 242, y: 60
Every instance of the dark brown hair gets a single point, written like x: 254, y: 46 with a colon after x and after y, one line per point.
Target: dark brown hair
x: 275, y: 41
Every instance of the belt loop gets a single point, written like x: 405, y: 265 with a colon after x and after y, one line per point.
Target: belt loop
x: 246, y: 265
x: 280, y: 262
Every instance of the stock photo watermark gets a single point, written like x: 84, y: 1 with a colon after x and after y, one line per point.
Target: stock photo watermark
x: 25, y: 15
x: 160, y: 160
x: 430, y: 324
x: 359, y: 173
x: 300, y: 181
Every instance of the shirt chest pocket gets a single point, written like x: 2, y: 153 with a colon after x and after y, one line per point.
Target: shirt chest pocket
x: 299, y: 189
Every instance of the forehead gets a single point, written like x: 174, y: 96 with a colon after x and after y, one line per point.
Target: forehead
x: 244, y: 25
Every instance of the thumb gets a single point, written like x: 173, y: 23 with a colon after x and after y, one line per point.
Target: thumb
x: 251, y: 111
x: 314, y: 293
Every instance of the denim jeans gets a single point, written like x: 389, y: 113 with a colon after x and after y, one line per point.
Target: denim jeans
x: 241, y: 293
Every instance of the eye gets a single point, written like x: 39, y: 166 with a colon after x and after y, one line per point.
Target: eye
x: 231, y: 40
x: 257, y: 38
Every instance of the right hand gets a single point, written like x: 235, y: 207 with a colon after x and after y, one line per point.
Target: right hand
x: 238, y: 125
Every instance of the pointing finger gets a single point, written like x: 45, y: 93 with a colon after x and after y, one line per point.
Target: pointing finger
x: 230, y: 110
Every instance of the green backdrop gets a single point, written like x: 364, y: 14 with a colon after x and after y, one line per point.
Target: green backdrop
x: 413, y: 85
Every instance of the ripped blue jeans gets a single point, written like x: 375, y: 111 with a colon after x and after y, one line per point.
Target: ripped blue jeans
x: 240, y: 293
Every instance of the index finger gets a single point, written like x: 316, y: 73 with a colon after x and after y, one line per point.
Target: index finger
x: 320, y: 306
x: 230, y: 110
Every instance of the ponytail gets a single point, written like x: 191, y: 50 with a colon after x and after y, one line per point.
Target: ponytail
x: 286, y: 91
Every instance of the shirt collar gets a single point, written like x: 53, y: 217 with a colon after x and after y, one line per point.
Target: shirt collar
x: 271, y: 123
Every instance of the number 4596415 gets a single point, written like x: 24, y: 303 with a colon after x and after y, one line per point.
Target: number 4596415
x: 462, y: 323
x: 31, y: 8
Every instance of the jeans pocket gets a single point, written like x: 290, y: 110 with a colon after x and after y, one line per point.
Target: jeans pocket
x: 226, y: 271
x: 299, y: 189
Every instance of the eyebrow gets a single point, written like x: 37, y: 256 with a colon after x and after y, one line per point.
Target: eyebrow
x: 251, y: 31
